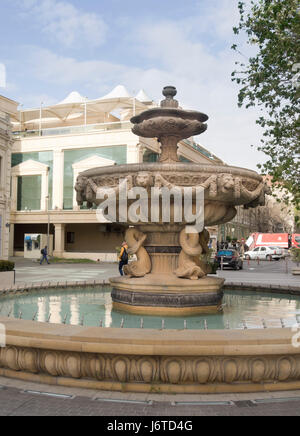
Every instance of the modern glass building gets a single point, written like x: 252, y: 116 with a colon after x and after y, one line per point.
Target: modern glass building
x: 8, y: 109
x: 52, y: 145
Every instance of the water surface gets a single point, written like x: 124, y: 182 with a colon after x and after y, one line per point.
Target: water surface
x: 90, y: 307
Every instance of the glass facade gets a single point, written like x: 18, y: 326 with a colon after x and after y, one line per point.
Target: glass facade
x: 115, y: 153
x: 151, y: 157
x: 29, y: 193
x: 29, y: 187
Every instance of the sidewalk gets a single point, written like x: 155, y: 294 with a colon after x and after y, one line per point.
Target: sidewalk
x: 28, y: 399
x: 28, y: 271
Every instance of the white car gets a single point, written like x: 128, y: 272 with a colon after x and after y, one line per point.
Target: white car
x: 265, y: 253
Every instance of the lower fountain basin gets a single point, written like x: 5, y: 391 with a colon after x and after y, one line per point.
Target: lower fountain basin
x: 170, y: 357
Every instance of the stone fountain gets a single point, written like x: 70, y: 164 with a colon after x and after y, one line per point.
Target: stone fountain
x: 168, y: 276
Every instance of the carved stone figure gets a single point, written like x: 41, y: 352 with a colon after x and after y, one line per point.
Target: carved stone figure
x: 226, y: 183
x: 261, y: 199
x: 80, y: 188
x: 144, y: 179
x: 142, y: 266
x: 193, y: 245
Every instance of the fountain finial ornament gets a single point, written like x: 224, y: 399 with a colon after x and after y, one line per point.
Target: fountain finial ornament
x: 169, y: 92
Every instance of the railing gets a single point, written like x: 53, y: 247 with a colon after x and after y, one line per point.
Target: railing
x: 57, y: 131
x: 4, y: 117
x: 200, y: 149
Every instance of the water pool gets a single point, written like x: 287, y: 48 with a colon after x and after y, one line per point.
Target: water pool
x: 91, y: 307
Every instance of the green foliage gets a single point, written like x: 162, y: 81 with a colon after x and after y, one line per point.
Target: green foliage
x: 228, y: 239
x: 208, y: 256
x: 5, y: 266
x: 209, y: 260
x: 295, y: 252
x: 269, y: 81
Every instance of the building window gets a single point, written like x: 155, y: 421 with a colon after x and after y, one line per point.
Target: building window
x: 29, y: 193
x: 117, y: 153
x: 70, y: 238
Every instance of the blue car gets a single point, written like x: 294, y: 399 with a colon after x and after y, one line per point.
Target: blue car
x: 231, y: 259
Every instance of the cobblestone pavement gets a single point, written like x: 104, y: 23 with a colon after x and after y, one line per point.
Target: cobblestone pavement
x: 14, y: 402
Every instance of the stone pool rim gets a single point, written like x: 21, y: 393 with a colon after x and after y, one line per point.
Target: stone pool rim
x: 144, y: 360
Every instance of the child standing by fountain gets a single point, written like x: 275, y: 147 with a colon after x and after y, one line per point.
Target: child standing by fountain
x: 123, y: 258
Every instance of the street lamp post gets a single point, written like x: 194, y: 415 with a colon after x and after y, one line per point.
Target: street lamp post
x: 48, y: 228
x: 40, y: 123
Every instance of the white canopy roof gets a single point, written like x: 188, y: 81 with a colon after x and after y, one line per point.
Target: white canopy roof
x: 118, y: 92
x: 143, y: 97
x: 74, y: 105
x: 73, y: 97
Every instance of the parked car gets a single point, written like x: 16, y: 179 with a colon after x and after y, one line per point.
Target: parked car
x: 231, y: 259
x: 265, y: 253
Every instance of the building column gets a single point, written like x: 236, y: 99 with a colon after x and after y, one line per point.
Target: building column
x: 58, y: 180
x: 11, y: 240
x: 14, y: 193
x: 59, y: 240
x: 44, y: 190
x: 133, y: 153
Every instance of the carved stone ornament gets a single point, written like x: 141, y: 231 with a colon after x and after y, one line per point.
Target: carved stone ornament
x: 142, y: 266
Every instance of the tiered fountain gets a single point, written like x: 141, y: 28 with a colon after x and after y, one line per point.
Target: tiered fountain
x: 168, y: 276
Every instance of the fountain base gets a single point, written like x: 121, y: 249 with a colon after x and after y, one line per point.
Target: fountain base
x: 165, y: 294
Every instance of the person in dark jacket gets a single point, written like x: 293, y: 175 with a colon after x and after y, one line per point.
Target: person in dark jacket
x: 123, y: 257
x: 44, y: 253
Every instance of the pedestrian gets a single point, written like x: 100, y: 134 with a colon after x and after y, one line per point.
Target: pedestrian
x: 123, y: 258
x: 44, y: 253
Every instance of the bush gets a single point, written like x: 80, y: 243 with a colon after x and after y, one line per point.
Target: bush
x: 212, y: 266
x: 5, y: 266
x: 295, y: 252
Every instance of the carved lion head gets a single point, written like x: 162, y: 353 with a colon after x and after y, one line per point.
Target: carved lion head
x: 144, y: 179
x: 225, y: 183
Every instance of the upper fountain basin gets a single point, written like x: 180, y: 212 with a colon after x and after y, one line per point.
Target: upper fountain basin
x: 165, y: 121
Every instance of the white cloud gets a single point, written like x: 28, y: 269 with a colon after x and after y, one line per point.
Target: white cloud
x: 66, y: 24
x: 231, y: 130
x: 178, y: 53
x: 202, y: 76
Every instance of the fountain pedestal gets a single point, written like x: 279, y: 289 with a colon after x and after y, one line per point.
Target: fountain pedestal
x: 161, y: 292
x: 165, y: 294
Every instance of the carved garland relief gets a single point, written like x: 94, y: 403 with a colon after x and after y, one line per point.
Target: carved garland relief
x: 152, y: 369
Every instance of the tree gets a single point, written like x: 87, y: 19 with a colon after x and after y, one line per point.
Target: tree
x: 269, y: 81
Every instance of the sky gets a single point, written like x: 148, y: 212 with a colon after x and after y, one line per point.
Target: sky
x: 53, y: 47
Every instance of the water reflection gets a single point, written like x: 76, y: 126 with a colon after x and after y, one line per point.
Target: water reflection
x: 240, y: 309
